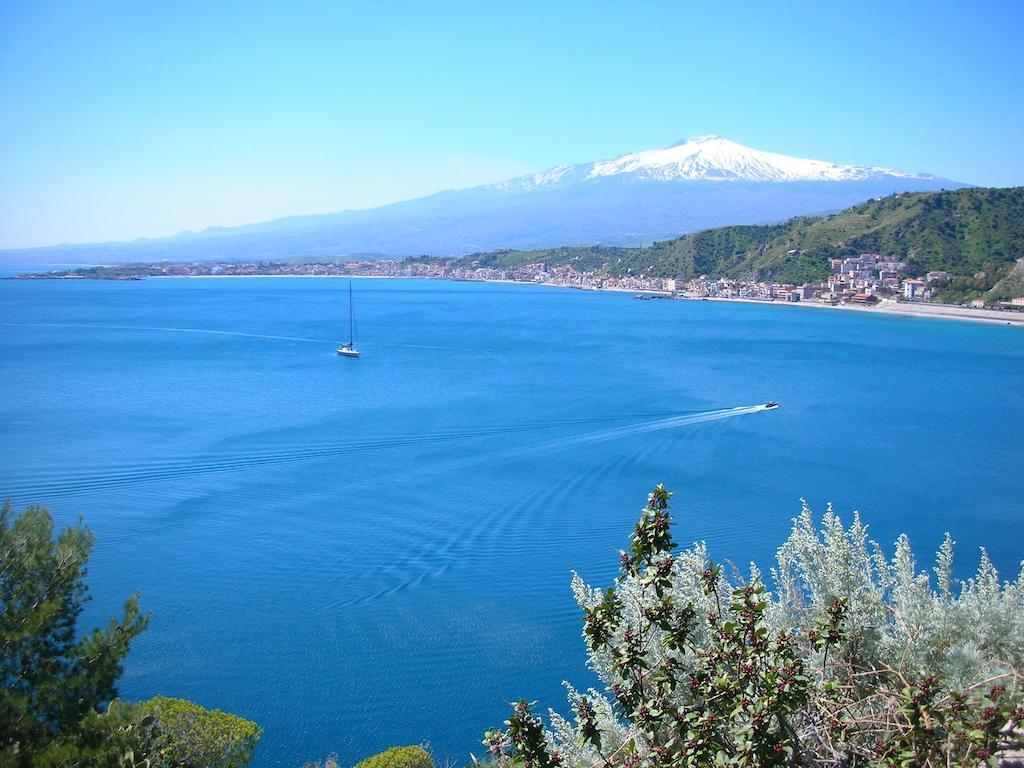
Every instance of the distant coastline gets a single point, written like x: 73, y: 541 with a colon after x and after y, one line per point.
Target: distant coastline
x: 663, y: 294
x: 887, y: 307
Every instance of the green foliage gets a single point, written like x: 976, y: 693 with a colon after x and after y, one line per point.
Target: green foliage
x: 524, y: 739
x: 810, y: 266
x: 1010, y: 285
x: 962, y: 288
x: 854, y: 660
x: 121, y: 737
x: 399, y: 757
x: 396, y: 757
x: 189, y: 735
x: 53, y: 681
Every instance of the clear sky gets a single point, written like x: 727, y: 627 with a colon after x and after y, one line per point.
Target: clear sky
x: 120, y: 120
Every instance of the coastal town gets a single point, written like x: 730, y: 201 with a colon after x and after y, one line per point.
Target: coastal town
x: 866, y: 280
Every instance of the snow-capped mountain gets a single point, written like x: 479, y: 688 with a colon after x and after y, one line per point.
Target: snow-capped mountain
x: 634, y: 199
x: 708, y: 158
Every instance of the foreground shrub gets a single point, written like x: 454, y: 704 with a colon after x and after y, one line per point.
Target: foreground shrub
x: 158, y: 733
x: 189, y: 735
x: 396, y: 757
x: 854, y: 659
x: 399, y: 757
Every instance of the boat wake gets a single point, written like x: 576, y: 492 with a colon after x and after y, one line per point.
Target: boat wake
x: 46, y: 485
x: 672, y: 422
x: 163, y: 329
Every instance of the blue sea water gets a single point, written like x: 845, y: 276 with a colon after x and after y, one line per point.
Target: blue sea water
x: 362, y: 553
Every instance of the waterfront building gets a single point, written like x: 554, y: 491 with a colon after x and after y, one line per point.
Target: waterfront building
x: 913, y: 289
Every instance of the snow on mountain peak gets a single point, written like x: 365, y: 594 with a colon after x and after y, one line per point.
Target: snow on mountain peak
x: 712, y: 158
x: 705, y: 158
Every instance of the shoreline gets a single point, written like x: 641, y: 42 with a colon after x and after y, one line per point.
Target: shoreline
x: 585, y: 288
x: 885, y: 307
x: 929, y: 311
x: 312, y: 277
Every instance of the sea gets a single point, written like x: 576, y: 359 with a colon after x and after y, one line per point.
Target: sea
x: 360, y: 553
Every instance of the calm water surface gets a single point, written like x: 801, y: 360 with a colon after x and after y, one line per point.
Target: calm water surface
x: 361, y: 553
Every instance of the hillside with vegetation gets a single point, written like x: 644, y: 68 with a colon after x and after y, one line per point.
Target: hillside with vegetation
x: 976, y: 235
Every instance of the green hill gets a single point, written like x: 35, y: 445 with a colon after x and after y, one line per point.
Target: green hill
x: 974, y: 234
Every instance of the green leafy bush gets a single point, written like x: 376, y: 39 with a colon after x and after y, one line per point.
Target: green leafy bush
x: 189, y: 735
x: 854, y: 659
x: 399, y: 757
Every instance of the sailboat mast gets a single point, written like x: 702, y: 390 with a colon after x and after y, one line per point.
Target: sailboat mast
x: 351, y: 317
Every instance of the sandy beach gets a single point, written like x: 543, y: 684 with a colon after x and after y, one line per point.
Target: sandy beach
x: 934, y: 311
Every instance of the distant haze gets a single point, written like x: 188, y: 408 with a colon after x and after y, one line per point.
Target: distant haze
x: 634, y: 199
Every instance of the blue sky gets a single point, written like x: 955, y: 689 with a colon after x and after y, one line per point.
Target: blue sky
x: 143, y: 119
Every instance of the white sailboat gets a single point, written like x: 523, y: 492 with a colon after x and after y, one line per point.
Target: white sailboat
x: 350, y: 350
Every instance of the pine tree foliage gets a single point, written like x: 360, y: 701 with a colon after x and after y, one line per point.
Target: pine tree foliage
x: 58, y: 703
x: 53, y: 679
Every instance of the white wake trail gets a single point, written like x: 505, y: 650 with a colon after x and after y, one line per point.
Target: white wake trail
x: 167, y: 330
x: 673, y: 422
x: 121, y: 475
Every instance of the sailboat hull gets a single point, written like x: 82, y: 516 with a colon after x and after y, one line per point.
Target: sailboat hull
x: 346, y: 352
